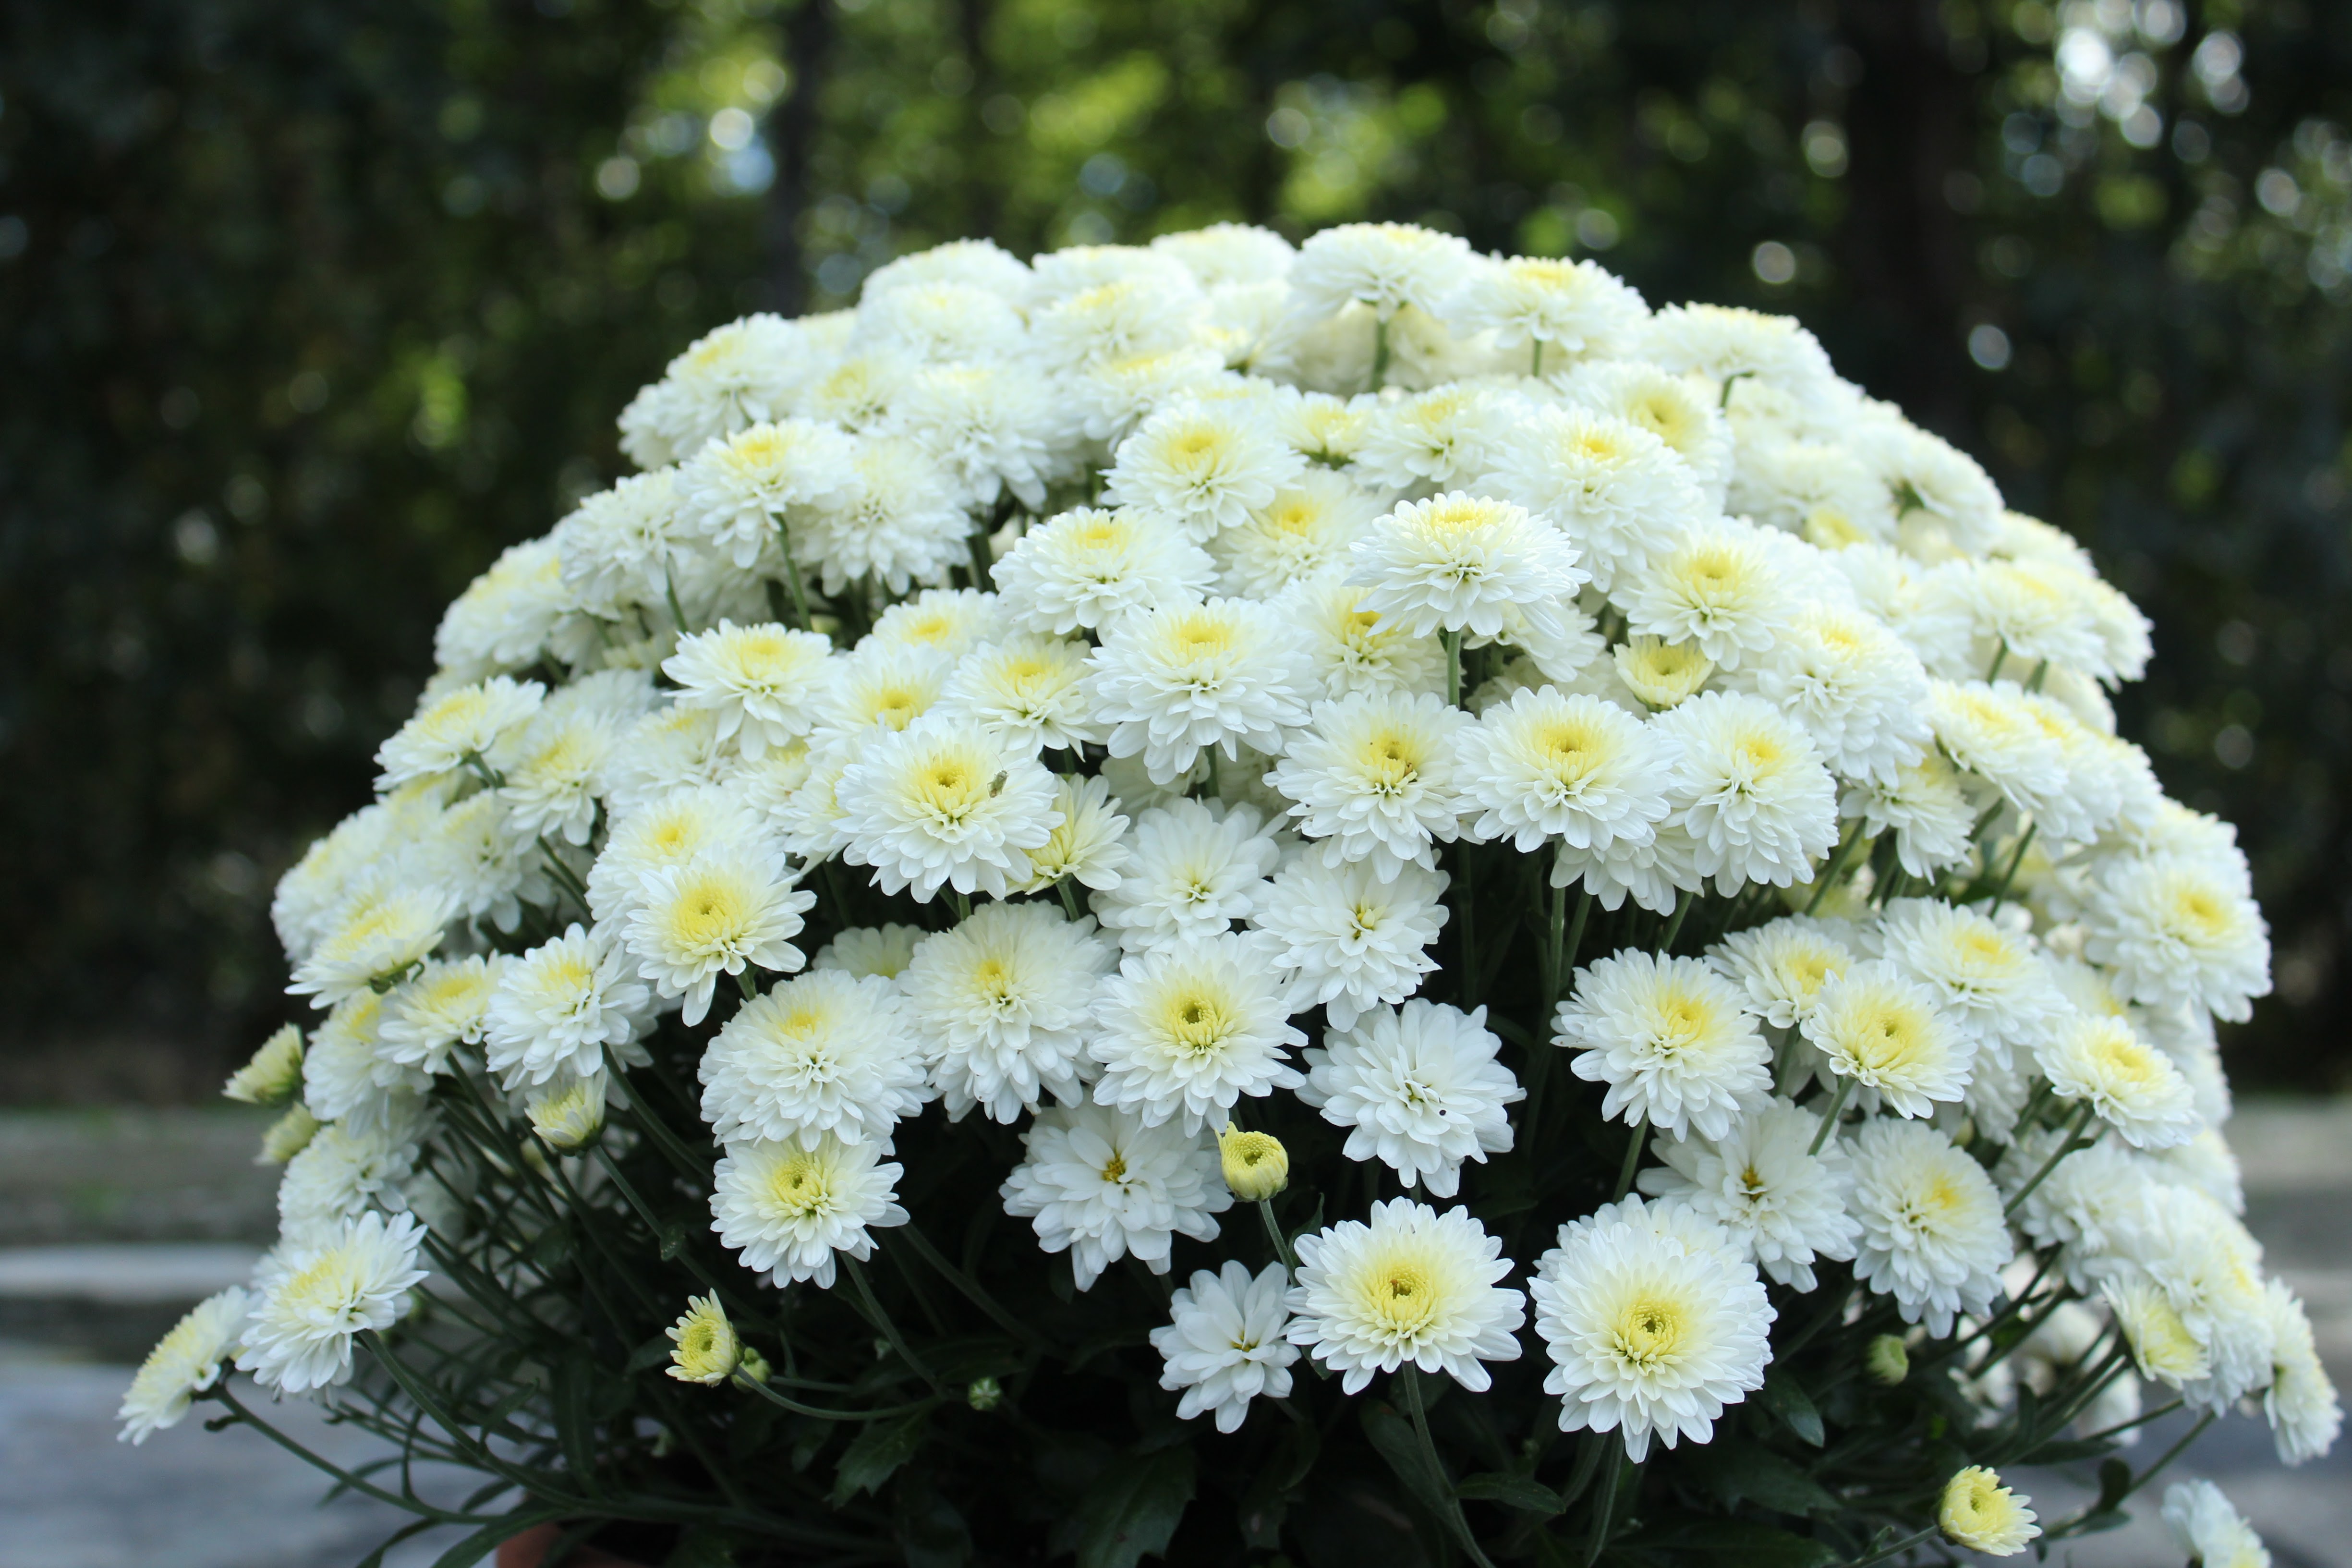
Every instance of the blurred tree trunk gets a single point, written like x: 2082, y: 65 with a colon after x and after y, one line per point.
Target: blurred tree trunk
x: 808, y: 52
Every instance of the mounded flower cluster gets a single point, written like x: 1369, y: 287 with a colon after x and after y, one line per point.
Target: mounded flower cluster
x: 1162, y: 635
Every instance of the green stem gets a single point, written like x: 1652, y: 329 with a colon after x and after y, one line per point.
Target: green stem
x: 1069, y: 898
x: 1675, y: 923
x: 1534, y: 359
x: 1467, y: 906
x: 669, y: 592
x: 1215, y: 781
x: 1836, y: 866
x: 2000, y: 894
x: 754, y: 1385
x: 971, y: 1287
x: 1604, y: 1500
x: 1410, y: 1375
x: 1729, y: 382
x: 1379, y: 353
x: 792, y: 574
x: 2067, y: 1145
x: 1830, y: 1116
x: 1633, y: 1157
x: 1453, y: 641
x: 881, y: 1319
x: 1893, y: 1548
x: 343, y: 1478
x: 2000, y: 657
x: 1273, y: 1234
x: 983, y: 565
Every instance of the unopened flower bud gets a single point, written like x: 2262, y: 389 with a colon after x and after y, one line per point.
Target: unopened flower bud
x: 704, y: 1345
x: 754, y: 1365
x: 1983, y: 1515
x: 984, y: 1393
x: 288, y: 1136
x: 1888, y: 1362
x: 570, y: 1116
x: 274, y: 1075
x: 1257, y: 1164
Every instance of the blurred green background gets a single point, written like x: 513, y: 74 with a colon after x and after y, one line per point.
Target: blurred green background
x: 313, y: 305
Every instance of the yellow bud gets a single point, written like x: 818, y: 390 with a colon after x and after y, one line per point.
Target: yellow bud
x: 1257, y: 1164
x: 1982, y: 1515
x: 1889, y: 1363
x: 754, y: 1365
x: 288, y: 1136
x: 275, y: 1073
x: 704, y: 1348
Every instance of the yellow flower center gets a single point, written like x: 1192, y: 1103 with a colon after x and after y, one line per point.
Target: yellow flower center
x: 802, y: 1185
x: 1199, y: 1023
x: 1401, y: 1297
x: 1648, y: 1332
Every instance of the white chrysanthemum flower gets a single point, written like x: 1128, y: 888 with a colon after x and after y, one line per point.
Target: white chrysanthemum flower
x: 345, y: 1076
x: 1144, y: 309
x: 1986, y: 977
x: 1661, y: 675
x: 995, y: 428
x: 381, y: 932
x: 1819, y: 490
x: 1204, y: 467
x: 1029, y: 688
x: 1003, y: 1003
x: 1088, y: 846
x: 1419, y: 1091
x: 1431, y: 440
x: 2210, y: 1269
x: 2300, y: 1402
x: 1375, y: 779
x: 1384, y: 266
x: 1680, y: 409
x: 340, y: 1174
x: 318, y: 1295
x: 568, y: 1113
x: 475, y: 856
x: 1306, y: 531
x: 1651, y: 1333
x: 557, y: 771
x: 2133, y: 1087
x: 941, y: 323
x: 1086, y: 568
x: 854, y: 391
x: 946, y: 803
x: 668, y: 830
x: 1224, y: 1344
x: 2162, y: 1346
x: 191, y: 1357
x: 1100, y: 1185
x: 1979, y: 1514
x: 1348, y: 940
x: 884, y: 950
x: 716, y: 914
x: 1783, y: 966
x: 1570, y: 768
x: 881, y: 689
x: 559, y: 1006
x: 1613, y: 485
x: 1727, y: 341
x: 446, y: 1004
x: 1925, y: 805
x: 1669, y: 1038
x: 1991, y: 731
x: 1857, y: 690
x: 506, y: 618
x: 827, y: 1054
x: 979, y: 263
x: 670, y: 748
x: 1324, y: 428
x: 790, y: 1210
x: 737, y: 489
x: 619, y: 546
x: 1352, y: 648
x: 1414, y: 1285
x: 1456, y: 561
x: 952, y: 621
x: 1749, y: 788
x: 1945, y: 502
x: 274, y: 1074
x: 2213, y: 1533
x: 1781, y: 1203
x: 1884, y: 1030
x: 1219, y: 254
x: 1932, y: 1232
x: 730, y: 377
x: 1186, y: 1030
x: 1175, y: 680
x: 705, y: 1347
x: 1551, y: 308
x: 1715, y: 585
x: 900, y: 519
x: 2179, y: 929
x: 761, y: 681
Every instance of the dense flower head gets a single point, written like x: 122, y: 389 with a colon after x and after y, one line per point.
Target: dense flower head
x: 1416, y: 1285
x: 1670, y: 1039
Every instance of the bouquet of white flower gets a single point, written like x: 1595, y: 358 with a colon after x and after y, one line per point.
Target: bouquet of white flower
x: 1583, y: 820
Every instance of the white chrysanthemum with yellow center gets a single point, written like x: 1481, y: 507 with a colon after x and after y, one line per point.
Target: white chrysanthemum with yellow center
x: 790, y: 1210
x: 1429, y: 440
x: 1306, y: 531
x: 1224, y: 1346
x: 1083, y: 570
x: 2305, y: 1413
x: 1782, y: 1204
x: 1193, y: 868
x: 1454, y: 562
x: 884, y: 950
x: 568, y: 1113
x: 388, y: 927
x: 1374, y: 779
x: 1414, y: 1285
x: 184, y: 1362
x: 952, y: 621
x: 1682, y: 410
x: 705, y: 1348
x: 826, y: 1054
x: 732, y: 376
x: 1613, y: 485
x: 446, y: 1004
x: 448, y: 730
x: 1384, y: 266
x: 1887, y: 1033
x: 716, y: 915
x: 1173, y: 681
x: 1979, y: 1514
x: 941, y: 323
x: 2213, y: 1534
x: 273, y: 1075
x: 1933, y: 1236
x: 1352, y: 648
x: 1669, y: 1038
x: 1729, y: 342
x: 557, y: 772
x: 1714, y: 586
x: 1088, y: 846
x: 1187, y: 1030
x: 2161, y: 1343
x: 761, y: 681
x: 1419, y: 1091
x: 2210, y: 1269
x: 1003, y: 1003
x: 1571, y: 768
x: 1855, y: 687
x: 1652, y: 1330
x: 316, y: 1297
x: 1342, y: 936
x: 1325, y: 429
x: 1101, y: 1185
x: 2132, y: 1086
x: 1989, y: 731
x: 946, y: 804
x: 1118, y: 318
x: 1924, y: 805
x: 1783, y: 966
x: 880, y: 689
x: 668, y: 830
x: 1986, y: 977
x: 901, y: 521
x: 559, y: 1006
x: 2179, y: 931
x: 1203, y: 467
x: 1027, y: 688
x: 736, y: 490
x: 994, y: 427
x: 345, y: 1077
x: 1661, y: 674
x: 1557, y: 309
x: 1749, y: 788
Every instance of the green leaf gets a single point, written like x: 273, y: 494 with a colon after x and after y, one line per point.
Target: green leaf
x: 877, y: 1453
x: 485, y: 1540
x: 1400, y: 1445
x: 651, y: 1354
x: 1278, y: 1476
x: 572, y: 1396
x: 2114, y: 1485
x: 673, y: 1233
x: 1785, y: 1397
x: 1750, y: 1545
x: 1512, y: 1491
x: 2069, y: 1450
x: 1738, y: 1472
x: 1133, y: 1509
x: 931, y: 1534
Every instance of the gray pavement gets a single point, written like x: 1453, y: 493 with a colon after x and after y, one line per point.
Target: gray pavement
x: 111, y: 1223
